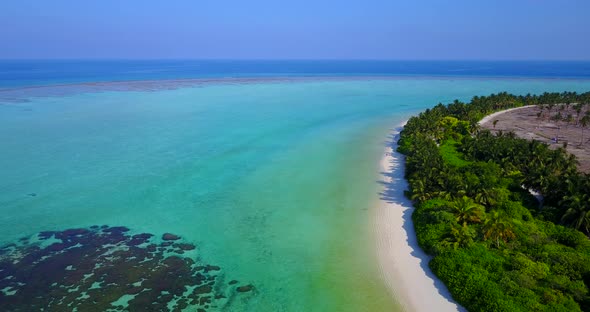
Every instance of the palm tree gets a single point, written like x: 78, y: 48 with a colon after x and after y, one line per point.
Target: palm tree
x: 466, y: 210
x: 460, y: 236
x: 557, y: 118
x: 569, y: 119
x: 578, y: 213
x: 419, y: 191
x: 578, y: 109
x: 486, y: 196
x: 549, y: 109
x: 498, y: 228
x: 474, y: 126
x: 584, y: 122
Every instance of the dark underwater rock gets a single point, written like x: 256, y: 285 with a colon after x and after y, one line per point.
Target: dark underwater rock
x: 245, y: 288
x: 211, y: 268
x: 185, y: 247
x: 45, y: 234
x: 170, y: 237
x: 89, y: 268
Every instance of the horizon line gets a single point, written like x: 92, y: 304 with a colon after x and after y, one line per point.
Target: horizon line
x: 290, y: 59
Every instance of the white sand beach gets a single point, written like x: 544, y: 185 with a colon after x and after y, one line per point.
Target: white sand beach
x: 496, y: 114
x: 402, y: 262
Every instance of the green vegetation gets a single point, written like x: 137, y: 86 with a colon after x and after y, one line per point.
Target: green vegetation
x: 449, y: 153
x: 494, y: 245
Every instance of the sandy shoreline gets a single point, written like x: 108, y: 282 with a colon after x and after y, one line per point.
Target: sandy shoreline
x: 491, y: 116
x: 403, y: 265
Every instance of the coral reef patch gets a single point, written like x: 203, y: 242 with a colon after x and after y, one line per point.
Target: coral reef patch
x: 107, y: 269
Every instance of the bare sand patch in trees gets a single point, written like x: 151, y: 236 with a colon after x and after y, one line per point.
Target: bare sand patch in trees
x: 557, y: 125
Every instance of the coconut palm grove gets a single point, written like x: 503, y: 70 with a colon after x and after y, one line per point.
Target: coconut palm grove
x: 496, y: 245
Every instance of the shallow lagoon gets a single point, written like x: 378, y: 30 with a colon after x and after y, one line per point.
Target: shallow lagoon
x: 273, y: 181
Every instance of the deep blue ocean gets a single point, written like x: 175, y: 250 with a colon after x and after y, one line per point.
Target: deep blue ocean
x: 42, y: 72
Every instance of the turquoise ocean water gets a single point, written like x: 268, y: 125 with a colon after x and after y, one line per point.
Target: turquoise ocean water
x: 272, y: 180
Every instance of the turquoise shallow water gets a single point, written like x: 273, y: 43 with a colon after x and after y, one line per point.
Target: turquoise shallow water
x: 273, y: 182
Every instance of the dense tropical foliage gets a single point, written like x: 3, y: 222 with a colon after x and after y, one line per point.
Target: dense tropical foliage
x: 494, y: 245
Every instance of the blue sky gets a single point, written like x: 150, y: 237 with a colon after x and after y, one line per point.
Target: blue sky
x: 303, y: 29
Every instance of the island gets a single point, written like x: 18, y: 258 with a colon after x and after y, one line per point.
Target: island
x: 505, y: 218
